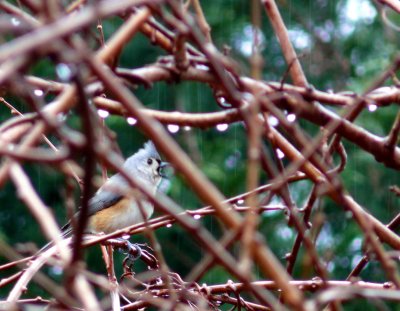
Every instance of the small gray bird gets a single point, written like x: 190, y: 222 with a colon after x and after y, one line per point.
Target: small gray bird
x: 110, y: 209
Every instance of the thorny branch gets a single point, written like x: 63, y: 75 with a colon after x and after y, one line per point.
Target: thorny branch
x: 90, y: 77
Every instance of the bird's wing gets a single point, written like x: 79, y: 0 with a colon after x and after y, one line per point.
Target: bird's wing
x: 101, y: 200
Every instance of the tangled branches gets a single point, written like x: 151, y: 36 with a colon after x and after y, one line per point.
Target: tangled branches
x: 88, y: 82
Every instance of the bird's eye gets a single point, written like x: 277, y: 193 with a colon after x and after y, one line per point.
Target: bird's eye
x: 149, y: 161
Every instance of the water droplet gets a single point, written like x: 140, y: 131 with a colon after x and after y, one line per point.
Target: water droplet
x: 248, y: 96
x: 240, y: 201
x: 291, y: 117
x: 64, y: 72
x: 388, y: 285
x: 56, y: 270
x: 131, y: 121
x: 196, y: 216
x: 15, y: 21
x: 103, y: 113
x: 273, y: 121
x: 61, y: 117
x: 223, y: 102
x: 348, y: 214
x: 38, y: 92
x: 187, y: 128
x: 372, y: 107
x: 222, y: 127
x: 280, y: 154
x: 202, y: 67
x: 169, y: 225
x: 173, y: 128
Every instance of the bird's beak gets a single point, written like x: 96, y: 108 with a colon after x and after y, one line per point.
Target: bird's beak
x: 163, y: 169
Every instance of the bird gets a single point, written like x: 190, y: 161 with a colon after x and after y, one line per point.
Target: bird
x: 111, y: 208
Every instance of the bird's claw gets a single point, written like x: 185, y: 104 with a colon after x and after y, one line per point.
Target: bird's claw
x: 133, y: 251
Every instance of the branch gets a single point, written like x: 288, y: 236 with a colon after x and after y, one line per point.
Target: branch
x: 289, y: 53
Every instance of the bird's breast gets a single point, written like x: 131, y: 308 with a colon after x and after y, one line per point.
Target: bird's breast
x: 124, y: 213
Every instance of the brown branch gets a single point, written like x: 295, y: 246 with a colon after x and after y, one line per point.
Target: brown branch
x: 41, y: 212
x: 393, y: 4
x: 201, y: 120
x: 201, y: 20
x: 58, y: 292
x: 391, y: 140
x: 62, y: 27
x: 191, y: 56
x: 289, y: 53
x: 306, y: 285
x: 200, y: 184
x: 122, y: 36
x: 367, y: 141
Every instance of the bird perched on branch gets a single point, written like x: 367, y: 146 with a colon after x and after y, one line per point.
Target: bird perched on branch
x: 114, y: 206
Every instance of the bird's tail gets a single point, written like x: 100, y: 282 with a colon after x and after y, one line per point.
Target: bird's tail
x: 66, y: 232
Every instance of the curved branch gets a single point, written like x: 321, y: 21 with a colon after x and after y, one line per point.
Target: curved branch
x: 201, y: 120
x: 369, y: 142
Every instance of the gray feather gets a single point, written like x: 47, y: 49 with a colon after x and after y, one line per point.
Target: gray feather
x: 148, y: 151
x: 107, y: 195
x: 111, y: 192
x: 103, y: 200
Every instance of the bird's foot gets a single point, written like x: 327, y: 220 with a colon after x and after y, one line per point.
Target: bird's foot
x: 134, y: 251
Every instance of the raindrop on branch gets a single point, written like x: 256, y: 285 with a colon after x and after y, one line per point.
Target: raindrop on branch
x: 131, y: 121
x: 273, y: 121
x: 372, y: 107
x: 15, y: 21
x: 173, y: 128
x: 222, y: 102
x: 103, y: 113
x: 291, y: 117
x: 279, y: 153
x: 201, y: 67
x: 38, y: 92
x: 222, y: 127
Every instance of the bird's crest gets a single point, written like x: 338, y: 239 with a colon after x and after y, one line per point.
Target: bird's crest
x: 139, y: 158
x: 151, y: 150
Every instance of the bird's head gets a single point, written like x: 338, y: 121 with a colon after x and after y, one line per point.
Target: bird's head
x: 146, y: 165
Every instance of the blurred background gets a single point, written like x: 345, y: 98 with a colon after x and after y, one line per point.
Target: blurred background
x: 343, y: 46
